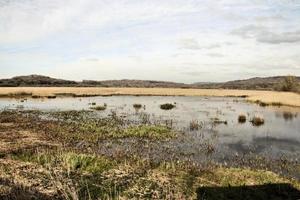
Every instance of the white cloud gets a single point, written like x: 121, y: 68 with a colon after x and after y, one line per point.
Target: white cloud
x: 267, y: 35
x: 36, y: 19
x: 193, y: 44
x: 175, y: 40
x: 277, y: 38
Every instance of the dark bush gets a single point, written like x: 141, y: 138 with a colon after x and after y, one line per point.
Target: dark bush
x: 167, y: 106
x: 242, y: 118
x: 137, y: 106
x: 289, y: 84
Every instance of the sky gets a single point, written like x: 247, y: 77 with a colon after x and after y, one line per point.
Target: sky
x: 171, y: 40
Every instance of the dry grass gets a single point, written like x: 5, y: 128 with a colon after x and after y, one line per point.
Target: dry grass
x: 268, y: 97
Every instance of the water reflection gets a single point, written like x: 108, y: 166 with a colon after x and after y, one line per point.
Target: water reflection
x: 289, y: 115
x: 211, y: 123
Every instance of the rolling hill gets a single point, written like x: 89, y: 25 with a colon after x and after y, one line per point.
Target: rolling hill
x: 267, y: 83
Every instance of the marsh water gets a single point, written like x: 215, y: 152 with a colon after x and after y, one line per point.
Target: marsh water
x: 278, y: 137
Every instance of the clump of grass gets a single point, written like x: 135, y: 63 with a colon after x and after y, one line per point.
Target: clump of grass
x: 137, y: 106
x: 85, y: 163
x: 51, y: 97
x: 167, y: 106
x: 264, y: 104
x: 260, y: 103
x: 149, y: 131
x: 195, y: 125
x: 242, y: 118
x: 69, y: 161
x: 218, y: 121
x: 99, y: 108
x: 257, y: 120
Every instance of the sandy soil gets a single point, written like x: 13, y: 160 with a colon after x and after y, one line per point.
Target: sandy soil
x: 285, y: 98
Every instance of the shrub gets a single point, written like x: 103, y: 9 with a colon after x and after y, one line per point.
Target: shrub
x: 242, y: 118
x: 290, y: 83
x: 167, y: 106
x: 137, y: 106
x: 257, y: 121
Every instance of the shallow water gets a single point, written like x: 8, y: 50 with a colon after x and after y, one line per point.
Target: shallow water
x: 279, y: 136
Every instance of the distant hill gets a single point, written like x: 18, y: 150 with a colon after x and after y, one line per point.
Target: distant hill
x: 36, y: 81
x: 134, y: 83
x: 45, y: 81
x: 257, y: 83
x: 267, y: 83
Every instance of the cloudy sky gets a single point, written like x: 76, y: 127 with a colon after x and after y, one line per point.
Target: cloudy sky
x: 175, y: 40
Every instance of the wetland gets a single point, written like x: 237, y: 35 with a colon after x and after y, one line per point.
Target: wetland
x: 148, y: 147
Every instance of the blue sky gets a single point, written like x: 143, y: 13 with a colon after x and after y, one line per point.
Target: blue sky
x: 184, y: 41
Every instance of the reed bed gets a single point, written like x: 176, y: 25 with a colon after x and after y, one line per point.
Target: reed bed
x: 266, y: 97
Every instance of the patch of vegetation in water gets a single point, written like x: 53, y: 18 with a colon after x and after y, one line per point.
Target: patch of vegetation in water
x: 216, y: 120
x: 149, y: 131
x: 80, y: 126
x: 265, y: 104
x: 167, y: 106
x: 242, y: 118
x: 195, y: 125
x: 137, y: 106
x: 257, y: 121
x: 99, y: 108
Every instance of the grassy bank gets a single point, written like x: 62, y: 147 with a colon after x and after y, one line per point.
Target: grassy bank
x: 86, y: 176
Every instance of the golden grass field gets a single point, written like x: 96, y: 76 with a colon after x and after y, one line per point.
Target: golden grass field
x: 284, y: 98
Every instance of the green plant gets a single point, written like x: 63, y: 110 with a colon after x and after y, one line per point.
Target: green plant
x: 148, y: 131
